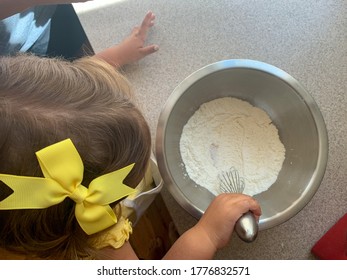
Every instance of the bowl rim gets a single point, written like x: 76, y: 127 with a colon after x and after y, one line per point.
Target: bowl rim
x: 312, y: 106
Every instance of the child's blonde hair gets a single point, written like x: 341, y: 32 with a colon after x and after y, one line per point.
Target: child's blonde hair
x: 44, y: 101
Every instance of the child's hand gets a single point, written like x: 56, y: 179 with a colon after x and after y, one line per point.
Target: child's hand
x: 132, y: 48
x: 220, y: 217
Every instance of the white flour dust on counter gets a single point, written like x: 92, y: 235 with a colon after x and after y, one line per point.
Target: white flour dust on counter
x: 228, y: 132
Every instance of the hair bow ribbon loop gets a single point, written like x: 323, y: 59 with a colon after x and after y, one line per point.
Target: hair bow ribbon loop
x: 63, y: 170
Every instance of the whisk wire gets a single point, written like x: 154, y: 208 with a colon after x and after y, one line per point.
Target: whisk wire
x: 231, y: 182
x: 246, y: 226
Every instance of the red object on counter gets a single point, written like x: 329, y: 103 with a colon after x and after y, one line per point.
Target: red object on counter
x: 333, y: 244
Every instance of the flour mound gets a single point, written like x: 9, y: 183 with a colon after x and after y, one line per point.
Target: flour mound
x: 228, y: 132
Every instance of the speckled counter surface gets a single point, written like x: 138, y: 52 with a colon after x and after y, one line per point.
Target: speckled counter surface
x: 307, y: 39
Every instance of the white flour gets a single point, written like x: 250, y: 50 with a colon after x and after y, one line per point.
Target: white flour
x: 228, y: 132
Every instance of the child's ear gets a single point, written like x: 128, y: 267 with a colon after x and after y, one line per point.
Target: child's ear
x: 5, y: 191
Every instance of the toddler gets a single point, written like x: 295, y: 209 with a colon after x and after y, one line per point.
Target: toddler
x: 73, y: 145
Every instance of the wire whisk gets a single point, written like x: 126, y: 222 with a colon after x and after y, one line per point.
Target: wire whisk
x: 231, y: 182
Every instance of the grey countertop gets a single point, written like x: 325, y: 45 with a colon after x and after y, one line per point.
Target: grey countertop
x: 307, y: 39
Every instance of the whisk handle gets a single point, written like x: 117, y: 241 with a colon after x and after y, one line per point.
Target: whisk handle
x: 247, y: 227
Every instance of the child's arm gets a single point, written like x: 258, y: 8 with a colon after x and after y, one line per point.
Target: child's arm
x: 211, y: 233
x: 214, y: 229
x: 133, y: 47
x: 125, y: 252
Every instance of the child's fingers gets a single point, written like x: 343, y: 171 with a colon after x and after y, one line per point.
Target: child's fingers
x: 149, y: 49
x: 246, y: 204
x: 147, y: 23
x: 238, y: 204
x: 255, y: 208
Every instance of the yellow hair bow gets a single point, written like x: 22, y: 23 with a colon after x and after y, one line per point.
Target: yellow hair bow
x: 63, y: 169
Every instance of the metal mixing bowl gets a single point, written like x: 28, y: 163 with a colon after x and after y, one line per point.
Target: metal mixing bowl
x: 292, y: 109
